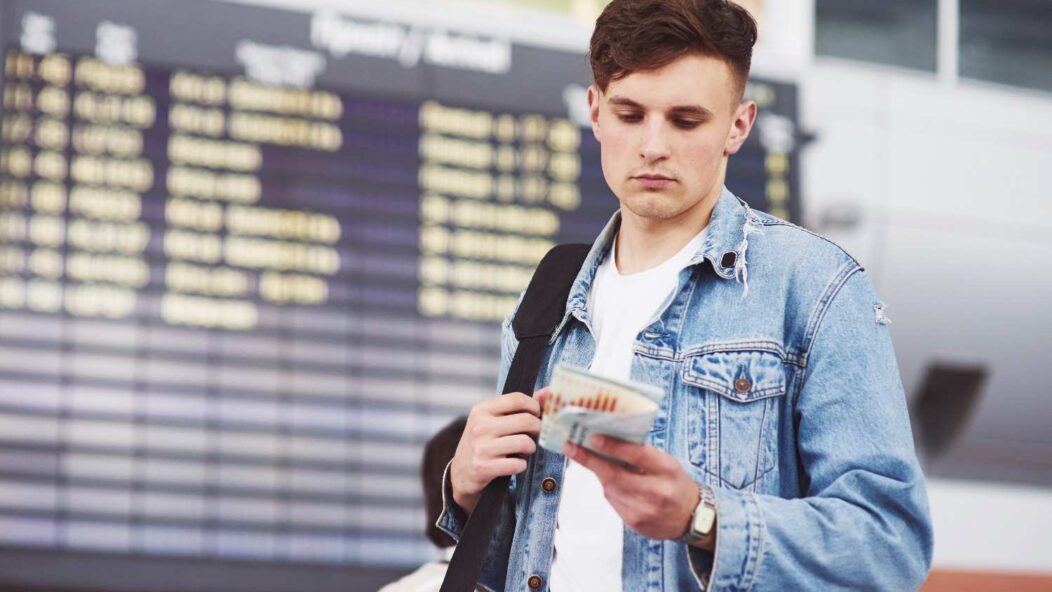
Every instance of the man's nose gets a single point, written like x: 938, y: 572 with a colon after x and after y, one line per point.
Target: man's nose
x: 655, y: 141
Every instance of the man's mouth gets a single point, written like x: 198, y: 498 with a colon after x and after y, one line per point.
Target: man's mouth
x: 653, y: 181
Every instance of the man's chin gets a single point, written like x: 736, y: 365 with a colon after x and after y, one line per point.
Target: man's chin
x: 652, y: 205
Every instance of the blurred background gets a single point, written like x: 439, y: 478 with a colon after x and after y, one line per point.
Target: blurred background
x: 254, y: 254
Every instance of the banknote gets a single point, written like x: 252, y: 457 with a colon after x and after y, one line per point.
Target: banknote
x: 583, y: 403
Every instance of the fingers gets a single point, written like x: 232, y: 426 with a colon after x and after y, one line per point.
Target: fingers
x: 506, y: 467
x: 499, y: 467
x: 510, y: 403
x: 511, y: 445
x: 485, y: 460
x: 499, y: 431
x: 519, y: 423
x: 605, y: 470
x: 542, y: 396
x: 481, y: 472
x: 656, y: 502
x: 640, y: 455
x: 640, y: 461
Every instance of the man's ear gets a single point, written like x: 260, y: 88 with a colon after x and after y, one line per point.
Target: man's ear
x: 744, y: 117
x: 594, y: 96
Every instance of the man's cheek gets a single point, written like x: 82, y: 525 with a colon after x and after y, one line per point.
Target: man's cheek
x: 705, y: 158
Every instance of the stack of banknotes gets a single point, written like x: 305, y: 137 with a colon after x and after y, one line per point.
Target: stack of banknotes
x: 582, y: 403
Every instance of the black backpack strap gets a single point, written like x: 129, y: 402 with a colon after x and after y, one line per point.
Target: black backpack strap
x: 541, y: 309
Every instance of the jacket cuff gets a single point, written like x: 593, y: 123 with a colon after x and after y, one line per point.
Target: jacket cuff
x: 740, y: 534
x: 453, y: 518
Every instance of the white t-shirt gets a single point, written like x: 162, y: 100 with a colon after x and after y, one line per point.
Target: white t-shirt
x: 588, y: 532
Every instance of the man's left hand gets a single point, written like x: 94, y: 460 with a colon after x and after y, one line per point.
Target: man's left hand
x: 657, y: 500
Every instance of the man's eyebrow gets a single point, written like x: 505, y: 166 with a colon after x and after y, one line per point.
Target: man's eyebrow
x: 623, y: 101
x: 696, y: 110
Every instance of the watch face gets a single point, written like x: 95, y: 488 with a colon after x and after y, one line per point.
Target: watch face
x: 704, y: 517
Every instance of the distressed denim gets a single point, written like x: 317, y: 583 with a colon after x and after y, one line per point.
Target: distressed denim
x: 782, y: 393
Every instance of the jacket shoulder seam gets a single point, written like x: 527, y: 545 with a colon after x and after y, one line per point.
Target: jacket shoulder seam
x: 818, y: 314
x: 768, y: 220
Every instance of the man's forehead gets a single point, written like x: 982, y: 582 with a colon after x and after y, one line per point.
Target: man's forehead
x: 691, y: 80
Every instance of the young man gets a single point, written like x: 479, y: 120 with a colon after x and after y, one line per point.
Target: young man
x: 781, y: 458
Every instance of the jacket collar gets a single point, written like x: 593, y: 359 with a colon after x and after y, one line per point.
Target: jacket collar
x: 725, y: 244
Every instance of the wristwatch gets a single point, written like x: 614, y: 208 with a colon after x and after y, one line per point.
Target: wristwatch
x: 703, y: 519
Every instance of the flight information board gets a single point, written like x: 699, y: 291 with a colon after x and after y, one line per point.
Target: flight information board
x: 250, y: 260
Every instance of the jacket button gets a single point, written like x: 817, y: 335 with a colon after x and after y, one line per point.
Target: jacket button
x: 534, y: 582
x: 729, y: 259
x: 548, y: 485
x: 742, y: 385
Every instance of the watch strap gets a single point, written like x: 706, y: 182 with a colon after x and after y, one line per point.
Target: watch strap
x: 706, y: 499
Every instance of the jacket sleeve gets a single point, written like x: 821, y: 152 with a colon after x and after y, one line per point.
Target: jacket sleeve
x: 863, y: 523
x: 453, y: 518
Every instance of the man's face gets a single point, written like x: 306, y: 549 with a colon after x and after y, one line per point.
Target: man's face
x: 665, y: 135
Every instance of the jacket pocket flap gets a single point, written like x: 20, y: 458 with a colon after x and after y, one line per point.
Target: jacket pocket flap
x: 737, y: 375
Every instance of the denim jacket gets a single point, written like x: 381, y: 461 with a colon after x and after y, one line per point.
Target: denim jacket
x: 781, y: 393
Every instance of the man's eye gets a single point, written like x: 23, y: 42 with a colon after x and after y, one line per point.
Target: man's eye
x: 629, y: 117
x: 686, y: 123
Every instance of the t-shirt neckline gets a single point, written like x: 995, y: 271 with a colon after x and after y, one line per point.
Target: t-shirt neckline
x: 678, y: 260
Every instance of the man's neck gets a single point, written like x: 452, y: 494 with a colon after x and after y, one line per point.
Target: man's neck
x: 644, y: 243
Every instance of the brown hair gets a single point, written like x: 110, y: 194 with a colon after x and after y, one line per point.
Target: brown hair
x: 438, y: 451
x: 636, y: 35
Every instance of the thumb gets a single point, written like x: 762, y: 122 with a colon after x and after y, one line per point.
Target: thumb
x: 543, y: 396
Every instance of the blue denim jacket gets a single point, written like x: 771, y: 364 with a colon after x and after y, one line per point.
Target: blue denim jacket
x: 782, y: 393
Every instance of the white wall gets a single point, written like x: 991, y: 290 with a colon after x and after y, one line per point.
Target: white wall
x: 954, y: 186
x: 991, y: 526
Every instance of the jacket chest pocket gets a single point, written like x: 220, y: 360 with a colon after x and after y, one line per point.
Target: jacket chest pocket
x: 734, y: 400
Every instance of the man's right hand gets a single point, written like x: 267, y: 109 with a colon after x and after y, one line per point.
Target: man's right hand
x: 498, y: 431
